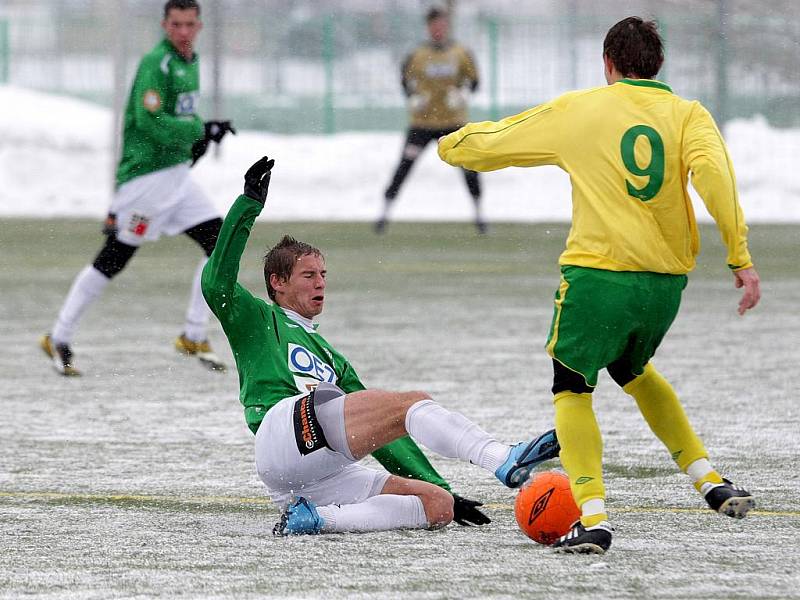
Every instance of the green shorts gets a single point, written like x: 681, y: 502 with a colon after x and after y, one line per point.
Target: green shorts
x: 603, y: 316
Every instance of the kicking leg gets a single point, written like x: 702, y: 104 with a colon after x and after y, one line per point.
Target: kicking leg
x: 374, y: 418
x: 86, y: 288
x: 582, y: 459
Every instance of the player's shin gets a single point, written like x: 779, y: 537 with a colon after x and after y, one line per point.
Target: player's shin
x: 581, y: 453
x: 197, y: 313
x: 86, y: 288
x: 661, y: 408
x: 378, y: 513
x: 452, y: 435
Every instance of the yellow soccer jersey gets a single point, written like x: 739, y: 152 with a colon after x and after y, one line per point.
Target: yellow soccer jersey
x: 435, y: 74
x: 628, y: 149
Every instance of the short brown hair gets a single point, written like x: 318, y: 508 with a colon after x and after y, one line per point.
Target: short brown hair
x: 282, y: 257
x: 181, y: 5
x: 635, y: 48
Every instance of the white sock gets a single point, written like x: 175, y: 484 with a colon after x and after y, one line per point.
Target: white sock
x: 86, y: 288
x: 452, y: 435
x: 198, y: 313
x: 699, y: 469
x: 595, y: 506
x: 378, y: 513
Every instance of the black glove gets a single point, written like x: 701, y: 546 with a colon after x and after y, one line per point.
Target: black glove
x: 198, y: 149
x: 465, y: 512
x: 216, y: 130
x: 256, y: 180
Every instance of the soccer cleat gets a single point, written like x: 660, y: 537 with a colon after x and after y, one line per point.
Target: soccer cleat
x: 586, y: 540
x: 729, y: 499
x: 61, y: 354
x: 481, y: 226
x: 202, y: 350
x: 380, y: 226
x: 524, y: 457
x: 299, y: 518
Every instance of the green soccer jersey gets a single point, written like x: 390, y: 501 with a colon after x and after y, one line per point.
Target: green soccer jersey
x: 276, y: 356
x: 160, y: 124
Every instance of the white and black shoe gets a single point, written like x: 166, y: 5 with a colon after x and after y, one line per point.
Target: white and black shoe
x: 728, y: 499
x: 60, y: 354
x: 586, y: 540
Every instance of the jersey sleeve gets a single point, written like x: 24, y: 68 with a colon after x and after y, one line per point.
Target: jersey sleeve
x: 407, y: 79
x: 469, y: 72
x: 401, y: 457
x: 713, y: 177
x: 529, y: 139
x: 228, y: 300
x: 149, y: 92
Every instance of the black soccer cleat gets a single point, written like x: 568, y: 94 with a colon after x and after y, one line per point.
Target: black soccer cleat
x: 586, y: 540
x: 729, y: 499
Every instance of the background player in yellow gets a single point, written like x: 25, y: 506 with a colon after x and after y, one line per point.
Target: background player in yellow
x: 437, y: 78
x: 628, y: 148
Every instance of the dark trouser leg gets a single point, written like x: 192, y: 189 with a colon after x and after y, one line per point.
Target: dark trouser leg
x: 474, y: 186
x: 416, y: 140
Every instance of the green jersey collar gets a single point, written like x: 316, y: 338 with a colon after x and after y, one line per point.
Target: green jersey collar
x: 174, y: 51
x: 647, y: 83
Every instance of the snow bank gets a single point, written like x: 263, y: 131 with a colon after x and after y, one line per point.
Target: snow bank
x: 55, y: 160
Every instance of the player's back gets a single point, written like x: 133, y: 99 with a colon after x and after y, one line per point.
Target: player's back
x: 627, y: 148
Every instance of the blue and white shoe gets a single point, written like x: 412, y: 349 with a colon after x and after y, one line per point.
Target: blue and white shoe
x: 299, y: 518
x: 525, y: 456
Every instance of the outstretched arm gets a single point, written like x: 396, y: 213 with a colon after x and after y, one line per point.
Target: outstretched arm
x: 224, y: 295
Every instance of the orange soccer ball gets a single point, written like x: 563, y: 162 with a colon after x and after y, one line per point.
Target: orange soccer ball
x: 545, y: 508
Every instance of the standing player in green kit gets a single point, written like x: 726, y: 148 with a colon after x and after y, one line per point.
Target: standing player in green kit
x: 629, y: 148
x: 314, y: 419
x: 155, y: 193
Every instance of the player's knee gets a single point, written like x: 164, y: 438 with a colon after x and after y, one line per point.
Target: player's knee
x: 206, y: 234
x: 113, y: 257
x: 438, y: 504
x: 408, y: 399
x: 621, y: 373
x: 567, y: 380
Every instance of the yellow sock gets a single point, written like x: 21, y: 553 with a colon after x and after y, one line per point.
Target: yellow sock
x: 662, y: 410
x: 581, y: 448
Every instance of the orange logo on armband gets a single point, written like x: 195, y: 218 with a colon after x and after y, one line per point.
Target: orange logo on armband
x: 151, y: 100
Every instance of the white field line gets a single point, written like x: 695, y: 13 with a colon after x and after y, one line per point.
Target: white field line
x: 239, y: 500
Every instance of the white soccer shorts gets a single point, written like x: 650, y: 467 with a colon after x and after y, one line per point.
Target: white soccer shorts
x: 165, y: 202
x: 322, y: 476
